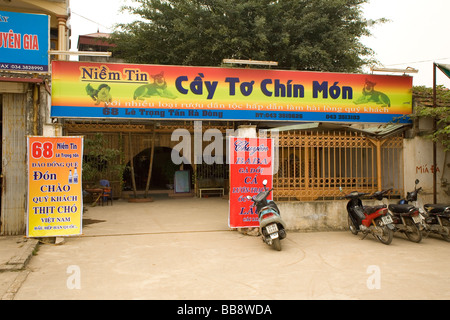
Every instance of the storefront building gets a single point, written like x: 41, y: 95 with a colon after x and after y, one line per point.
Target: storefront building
x: 331, y: 134
x: 332, y: 131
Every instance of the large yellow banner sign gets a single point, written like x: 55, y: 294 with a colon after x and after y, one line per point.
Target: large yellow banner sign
x: 55, y: 202
x: 158, y: 92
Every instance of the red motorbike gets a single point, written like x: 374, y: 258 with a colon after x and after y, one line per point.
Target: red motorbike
x: 374, y: 220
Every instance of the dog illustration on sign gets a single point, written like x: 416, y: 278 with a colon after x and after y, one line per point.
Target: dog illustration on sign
x: 369, y: 94
x: 157, y: 88
x: 101, y: 94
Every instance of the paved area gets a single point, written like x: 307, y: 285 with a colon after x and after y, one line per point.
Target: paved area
x: 183, y: 249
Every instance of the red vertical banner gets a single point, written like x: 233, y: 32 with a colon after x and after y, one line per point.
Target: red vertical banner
x: 251, y: 161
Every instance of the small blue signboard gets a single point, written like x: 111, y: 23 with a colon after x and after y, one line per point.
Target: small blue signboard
x: 24, y: 41
x: 182, y: 181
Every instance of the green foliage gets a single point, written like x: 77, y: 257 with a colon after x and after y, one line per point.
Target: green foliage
x: 425, y: 108
x: 319, y: 35
x: 101, y: 162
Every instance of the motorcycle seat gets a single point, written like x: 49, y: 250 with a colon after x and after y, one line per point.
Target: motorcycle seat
x: 270, y: 205
x: 400, y: 208
x: 372, y: 209
x: 358, y: 213
x: 436, y: 207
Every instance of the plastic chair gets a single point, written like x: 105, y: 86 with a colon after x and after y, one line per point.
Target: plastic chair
x: 104, y: 183
x: 107, y: 192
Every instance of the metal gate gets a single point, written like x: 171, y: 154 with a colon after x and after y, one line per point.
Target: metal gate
x: 14, y: 183
x: 317, y: 165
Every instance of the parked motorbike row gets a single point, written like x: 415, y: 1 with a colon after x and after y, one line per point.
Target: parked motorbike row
x: 383, y: 221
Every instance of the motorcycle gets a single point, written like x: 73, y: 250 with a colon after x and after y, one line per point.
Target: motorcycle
x: 272, y: 227
x: 406, y: 217
x: 369, y: 219
x: 437, y: 218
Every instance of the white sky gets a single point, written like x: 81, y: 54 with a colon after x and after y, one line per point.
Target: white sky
x: 416, y: 36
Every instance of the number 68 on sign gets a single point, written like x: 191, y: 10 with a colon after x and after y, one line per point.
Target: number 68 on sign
x: 54, y: 204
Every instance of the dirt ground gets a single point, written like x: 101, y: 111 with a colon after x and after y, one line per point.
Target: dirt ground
x: 183, y: 249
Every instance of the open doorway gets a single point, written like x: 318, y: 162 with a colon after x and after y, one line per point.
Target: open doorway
x: 163, y: 170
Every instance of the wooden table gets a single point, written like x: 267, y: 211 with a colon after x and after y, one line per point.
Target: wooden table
x: 96, y: 192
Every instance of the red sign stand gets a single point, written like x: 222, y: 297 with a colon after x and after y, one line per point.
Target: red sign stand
x: 251, y: 161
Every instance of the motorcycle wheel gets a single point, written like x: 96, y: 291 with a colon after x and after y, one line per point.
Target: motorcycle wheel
x: 276, y: 243
x: 387, y: 236
x: 446, y: 223
x: 415, y: 235
x: 351, y: 226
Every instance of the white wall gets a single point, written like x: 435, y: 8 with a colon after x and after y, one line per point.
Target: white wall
x: 418, y: 164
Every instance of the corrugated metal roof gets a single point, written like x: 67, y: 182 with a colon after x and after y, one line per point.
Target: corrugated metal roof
x: 383, y: 130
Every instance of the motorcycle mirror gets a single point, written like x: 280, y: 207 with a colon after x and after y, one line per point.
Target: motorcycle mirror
x: 249, y: 197
x: 265, y: 182
x: 417, y: 181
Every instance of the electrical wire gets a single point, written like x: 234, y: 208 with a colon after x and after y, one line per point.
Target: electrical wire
x: 99, y: 24
x: 413, y: 62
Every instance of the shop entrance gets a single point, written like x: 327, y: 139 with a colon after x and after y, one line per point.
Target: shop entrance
x: 162, y: 173
x: 134, y: 144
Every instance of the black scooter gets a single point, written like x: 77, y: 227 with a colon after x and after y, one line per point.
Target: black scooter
x: 437, y: 219
x: 407, y: 218
x: 272, y: 227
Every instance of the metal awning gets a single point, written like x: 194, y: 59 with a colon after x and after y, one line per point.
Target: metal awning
x: 380, y: 130
x: 384, y: 130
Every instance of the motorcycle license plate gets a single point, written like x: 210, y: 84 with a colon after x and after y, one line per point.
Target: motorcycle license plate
x: 416, y: 219
x: 387, y: 220
x: 274, y: 235
x: 272, y: 228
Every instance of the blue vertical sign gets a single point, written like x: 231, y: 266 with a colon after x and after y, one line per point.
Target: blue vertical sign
x: 24, y: 41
